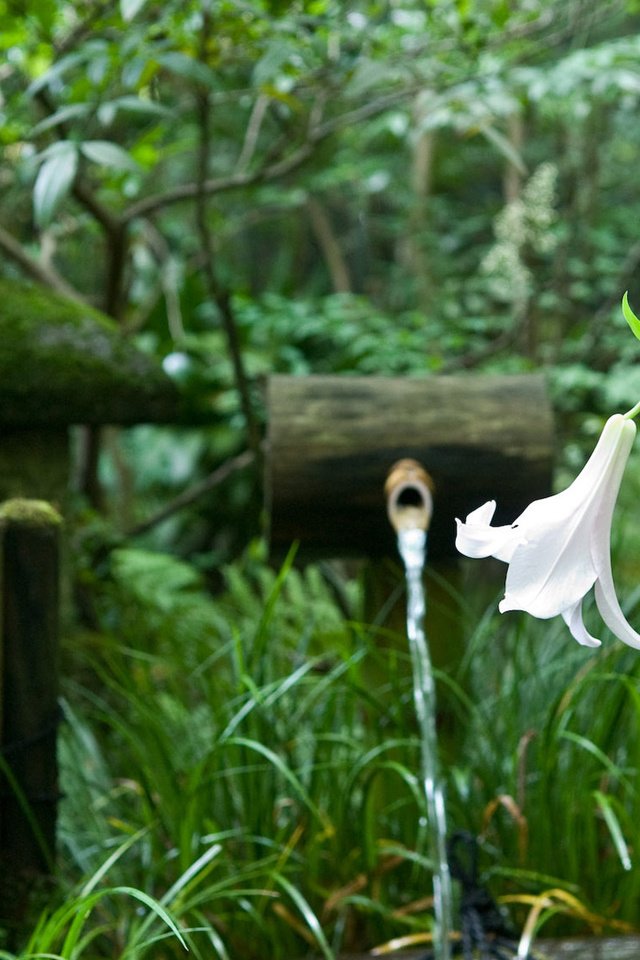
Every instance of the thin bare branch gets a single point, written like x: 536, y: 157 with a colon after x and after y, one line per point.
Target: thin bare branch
x: 329, y: 244
x: 193, y: 493
x: 35, y: 268
x: 217, y: 291
x: 271, y: 171
x: 85, y: 28
x: 252, y: 133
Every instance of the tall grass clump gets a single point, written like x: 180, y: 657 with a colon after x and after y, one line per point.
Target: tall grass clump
x: 269, y: 783
x: 243, y: 769
x: 547, y: 774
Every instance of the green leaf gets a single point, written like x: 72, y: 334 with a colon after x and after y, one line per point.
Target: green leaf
x: 54, y: 181
x: 630, y: 316
x: 153, y: 905
x: 188, y: 68
x: 73, y: 112
x: 107, y: 154
x: 310, y: 917
x: 93, y: 49
x: 129, y: 8
x: 55, y: 72
x: 104, y: 868
x: 605, y: 804
x: 132, y: 104
x: 270, y: 65
x: 279, y: 764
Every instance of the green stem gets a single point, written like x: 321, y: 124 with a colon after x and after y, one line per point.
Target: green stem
x: 631, y: 414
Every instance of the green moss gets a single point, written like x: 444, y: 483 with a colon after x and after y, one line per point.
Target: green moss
x: 32, y: 513
x: 61, y: 362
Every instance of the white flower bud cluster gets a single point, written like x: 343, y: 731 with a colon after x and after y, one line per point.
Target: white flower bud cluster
x: 509, y: 279
x: 524, y: 223
x: 539, y: 198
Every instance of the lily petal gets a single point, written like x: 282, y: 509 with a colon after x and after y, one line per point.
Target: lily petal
x: 554, y: 569
x: 477, y: 538
x: 605, y: 592
x: 617, y: 436
x: 573, y: 619
x: 610, y: 611
x: 568, y: 534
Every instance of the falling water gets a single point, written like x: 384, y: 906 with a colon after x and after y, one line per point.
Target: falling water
x: 412, y: 544
x: 409, y: 505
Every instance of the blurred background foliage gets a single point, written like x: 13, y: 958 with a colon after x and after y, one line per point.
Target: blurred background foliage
x: 406, y: 187
x: 378, y: 187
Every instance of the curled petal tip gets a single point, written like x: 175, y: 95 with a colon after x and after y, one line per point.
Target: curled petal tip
x: 573, y: 619
x: 611, y: 613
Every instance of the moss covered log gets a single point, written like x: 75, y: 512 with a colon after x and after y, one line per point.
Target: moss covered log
x: 62, y: 363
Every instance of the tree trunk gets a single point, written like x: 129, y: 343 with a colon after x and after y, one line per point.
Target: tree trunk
x: 512, y: 178
x: 328, y: 243
x: 421, y: 183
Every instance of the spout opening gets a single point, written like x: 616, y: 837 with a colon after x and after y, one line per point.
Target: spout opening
x: 409, y: 498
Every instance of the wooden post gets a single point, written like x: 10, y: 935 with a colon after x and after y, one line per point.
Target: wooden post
x: 29, y: 561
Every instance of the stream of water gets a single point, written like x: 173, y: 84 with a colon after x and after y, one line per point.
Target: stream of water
x: 412, y: 546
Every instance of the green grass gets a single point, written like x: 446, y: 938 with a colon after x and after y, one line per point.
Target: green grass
x: 243, y: 770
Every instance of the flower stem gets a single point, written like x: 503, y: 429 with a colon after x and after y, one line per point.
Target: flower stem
x: 631, y: 414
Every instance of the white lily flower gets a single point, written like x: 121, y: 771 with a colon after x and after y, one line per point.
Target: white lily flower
x: 559, y: 547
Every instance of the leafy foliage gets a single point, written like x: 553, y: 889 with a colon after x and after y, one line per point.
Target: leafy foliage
x: 311, y: 186
x: 250, y: 762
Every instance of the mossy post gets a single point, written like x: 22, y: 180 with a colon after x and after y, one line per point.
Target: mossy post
x: 62, y: 366
x: 29, y: 597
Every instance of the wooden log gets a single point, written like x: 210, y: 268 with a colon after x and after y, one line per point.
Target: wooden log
x: 590, y: 948
x: 332, y: 441
x: 29, y: 551
x: 585, y: 948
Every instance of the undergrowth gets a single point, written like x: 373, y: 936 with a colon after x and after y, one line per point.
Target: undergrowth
x: 240, y: 772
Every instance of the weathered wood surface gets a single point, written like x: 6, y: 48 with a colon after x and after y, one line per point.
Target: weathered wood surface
x: 29, y: 550
x: 332, y: 441
x: 617, y: 948
x: 591, y: 948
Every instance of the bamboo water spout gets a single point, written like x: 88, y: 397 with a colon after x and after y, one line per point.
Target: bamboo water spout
x: 408, y: 491
x: 409, y: 507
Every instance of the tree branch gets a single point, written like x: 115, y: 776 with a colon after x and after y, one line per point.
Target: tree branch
x: 35, y: 268
x: 252, y: 132
x: 85, y: 28
x: 193, y: 493
x: 218, y: 292
x: 328, y: 242
x: 270, y: 171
